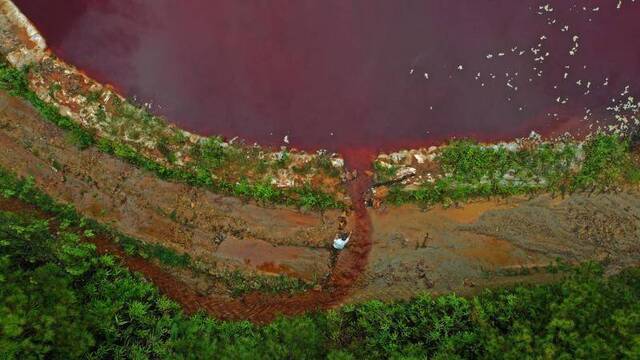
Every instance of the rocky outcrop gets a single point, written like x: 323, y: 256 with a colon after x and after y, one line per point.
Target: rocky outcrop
x: 20, y: 42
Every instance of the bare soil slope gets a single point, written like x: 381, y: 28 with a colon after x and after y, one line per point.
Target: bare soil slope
x: 495, y: 242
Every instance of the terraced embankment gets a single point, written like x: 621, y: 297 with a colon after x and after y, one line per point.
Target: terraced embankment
x: 210, y: 227
x: 218, y: 231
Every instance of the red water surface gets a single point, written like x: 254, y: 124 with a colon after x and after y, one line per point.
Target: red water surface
x: 359, y: 74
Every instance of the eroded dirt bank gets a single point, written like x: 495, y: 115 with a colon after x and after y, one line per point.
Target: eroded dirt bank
x: 496, y: 242
x: 221, y: 232
x: 218, y: 230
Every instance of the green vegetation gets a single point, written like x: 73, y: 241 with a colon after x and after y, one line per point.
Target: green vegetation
x: 60, y: 300
x: 135, y: 247
x: 240, y: 283
x: 473, y: 170
x: 210, y: 156
x: 15, y: 82
x: 608, y: 163
x: 94, y: 96
x: 384, y: 173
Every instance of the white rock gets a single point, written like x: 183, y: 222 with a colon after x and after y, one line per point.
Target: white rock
x: 397, y: 156
x: 534, y: 136
x: 420, y: 158
x: 513, y: 147
x: 406, y: 171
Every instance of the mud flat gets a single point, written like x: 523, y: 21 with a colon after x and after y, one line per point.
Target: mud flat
x: 498, y: 242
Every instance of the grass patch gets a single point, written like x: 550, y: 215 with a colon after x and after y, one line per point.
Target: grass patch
x: 164, y: 255
x: 240, y: 283
x: 383, y: 172
x: 472, y: 170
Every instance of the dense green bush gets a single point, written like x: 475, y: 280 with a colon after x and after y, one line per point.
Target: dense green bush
x: 60, y: 300
x: 607, y: 163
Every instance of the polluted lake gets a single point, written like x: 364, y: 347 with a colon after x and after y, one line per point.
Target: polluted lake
x: 319, y: 179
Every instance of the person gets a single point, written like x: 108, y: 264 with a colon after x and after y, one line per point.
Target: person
x: 341, y: 241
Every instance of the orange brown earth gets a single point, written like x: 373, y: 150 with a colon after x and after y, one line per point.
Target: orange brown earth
x: 493, y: 242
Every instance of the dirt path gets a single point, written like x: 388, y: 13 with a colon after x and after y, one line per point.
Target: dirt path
x: 258, y: 307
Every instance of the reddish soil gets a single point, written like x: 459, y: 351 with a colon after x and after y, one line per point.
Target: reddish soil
x: 29, y: 144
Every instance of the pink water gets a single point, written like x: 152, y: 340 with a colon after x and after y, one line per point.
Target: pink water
x: 363, y: 74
